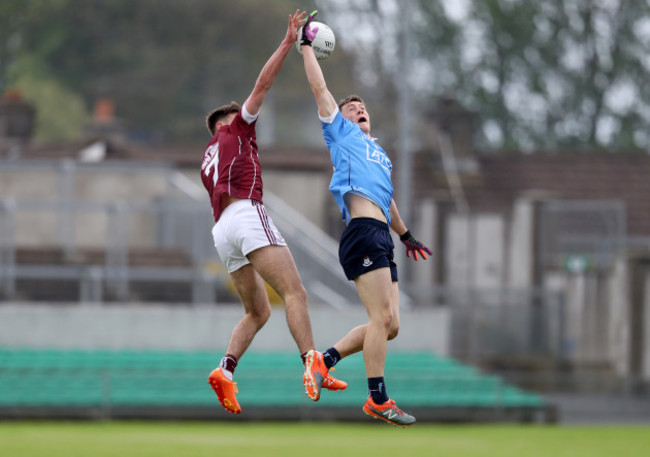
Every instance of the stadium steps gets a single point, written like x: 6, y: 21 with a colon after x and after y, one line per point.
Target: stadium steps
x: 101, y: 378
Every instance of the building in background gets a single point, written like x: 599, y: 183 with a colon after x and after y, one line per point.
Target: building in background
x: 540, y: 259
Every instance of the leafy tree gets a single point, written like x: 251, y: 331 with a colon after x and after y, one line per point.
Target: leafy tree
x: 543, y: 74
x: 12, y: 14
x: 60, y: 113
x: 165, y: 63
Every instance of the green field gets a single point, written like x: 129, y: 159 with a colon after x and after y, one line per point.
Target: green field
x: 210, y: 439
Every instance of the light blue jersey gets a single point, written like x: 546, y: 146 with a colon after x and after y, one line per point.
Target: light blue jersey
x: 360, y: 165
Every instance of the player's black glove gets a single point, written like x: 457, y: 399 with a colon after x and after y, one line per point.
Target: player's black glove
x: 414, y: 246
x: 308, y: 32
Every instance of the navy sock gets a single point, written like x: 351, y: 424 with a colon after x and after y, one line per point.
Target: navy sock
x: 331, y: 357
x: 229, y: 362
x: 377, y: 390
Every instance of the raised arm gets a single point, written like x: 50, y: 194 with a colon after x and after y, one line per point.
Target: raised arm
x: 272, y: 67
x: 324, y: 99
x: 413, y: 246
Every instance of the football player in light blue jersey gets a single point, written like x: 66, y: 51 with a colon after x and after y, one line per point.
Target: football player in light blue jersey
x: 362, y: 186
x: 361, y: 166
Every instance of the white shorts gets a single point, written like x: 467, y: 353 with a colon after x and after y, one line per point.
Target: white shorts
x: 243, y: 227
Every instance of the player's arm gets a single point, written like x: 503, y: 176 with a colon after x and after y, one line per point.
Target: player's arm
x: 324, y: 99
x: 413, y: 246
x: 272, y: 67
x: 396, y: 222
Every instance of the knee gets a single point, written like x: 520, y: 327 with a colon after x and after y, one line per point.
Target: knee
x: 393, y: 331
x: 298, y: 295
x: 386, y: 321
x: 260, y: 316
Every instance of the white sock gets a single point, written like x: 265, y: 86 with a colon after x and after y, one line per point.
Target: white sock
x: 227, y: 373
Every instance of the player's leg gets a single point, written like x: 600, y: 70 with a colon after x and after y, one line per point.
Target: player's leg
x: 389, y: 411
x: 239, y: 225
x: 252, y: 292
x: 380, y: 295
x: 393, y: 331
x: 257, y: 310
x: 266, y: 249
x: 352, y: 342
x: 276, y: 266
x: 374, y: 289
x: 233, y: 227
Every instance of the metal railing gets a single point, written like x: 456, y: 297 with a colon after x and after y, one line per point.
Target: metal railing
x: 593, y: 231
x: 487, y: 324
x: 180, y: 220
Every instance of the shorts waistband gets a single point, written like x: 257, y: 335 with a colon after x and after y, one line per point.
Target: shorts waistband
x: 368, y: 221
x: 240, y: 203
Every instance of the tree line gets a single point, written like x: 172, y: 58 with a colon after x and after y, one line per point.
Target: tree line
x: 539, y: 75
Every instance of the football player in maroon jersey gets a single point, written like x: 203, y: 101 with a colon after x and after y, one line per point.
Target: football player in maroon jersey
x: 248, y: 243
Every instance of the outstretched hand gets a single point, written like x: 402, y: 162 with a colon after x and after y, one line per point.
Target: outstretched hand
x: 295, y: 21
x: 308, y: 31
x: 413, y: 246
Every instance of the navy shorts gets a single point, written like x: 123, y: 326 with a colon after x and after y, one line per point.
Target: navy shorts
x: 366, y: 245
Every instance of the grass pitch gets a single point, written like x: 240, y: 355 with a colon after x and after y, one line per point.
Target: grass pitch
x: 209, y: 439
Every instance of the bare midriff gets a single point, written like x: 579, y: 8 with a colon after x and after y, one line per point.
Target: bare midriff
x: 359, y: 206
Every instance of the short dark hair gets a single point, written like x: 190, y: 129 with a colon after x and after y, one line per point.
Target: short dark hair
x: 219, y: 114
x: 350, y: 99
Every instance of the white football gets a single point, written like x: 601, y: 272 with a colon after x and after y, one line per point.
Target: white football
x: 323, y: 43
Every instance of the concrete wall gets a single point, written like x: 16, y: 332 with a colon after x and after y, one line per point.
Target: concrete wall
x: 475, y: 254
x: 459, y: 255
x: 587, y: 316
x: 198, y: 328
x: 94, y: 186
x: 307, y: 192
x: 61, y: 182
x: 605, y: 323
x: 618, y: 333
x: 521, y: 258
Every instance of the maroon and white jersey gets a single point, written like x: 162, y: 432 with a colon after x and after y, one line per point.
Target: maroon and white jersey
x: 231, y: 165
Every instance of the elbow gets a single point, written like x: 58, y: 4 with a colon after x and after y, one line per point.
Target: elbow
x: 263, y: 86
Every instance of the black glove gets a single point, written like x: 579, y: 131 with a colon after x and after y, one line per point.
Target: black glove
x: 414, y: 246
x: 308, y: 33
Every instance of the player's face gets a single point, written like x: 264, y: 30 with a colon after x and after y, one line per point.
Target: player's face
x: 356, y: 112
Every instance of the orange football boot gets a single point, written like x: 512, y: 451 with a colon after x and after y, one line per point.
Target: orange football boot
x: 331, y: 383
x: 225, y: 389
x: 315, y: 374
x: 389, y: 412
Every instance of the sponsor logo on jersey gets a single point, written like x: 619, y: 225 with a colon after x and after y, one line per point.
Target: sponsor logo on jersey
x: 380, y: 157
